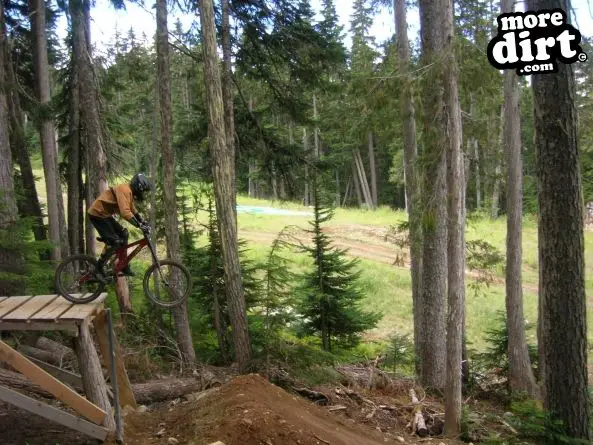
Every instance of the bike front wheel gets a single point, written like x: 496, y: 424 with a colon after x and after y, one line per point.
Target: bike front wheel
x: 167, y: 283
x: 76, y: 279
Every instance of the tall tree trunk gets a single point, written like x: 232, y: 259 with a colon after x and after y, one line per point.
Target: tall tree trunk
x: 362, y: 177
x: 465, y: 369
x: 75, y: 207
x: 356, y: 182
x: 47, y: 129
x: 184, y: 337
x: 495, y: 205
x: 561, y: 245
x: 476, y: 150
x: 521, y: 378
x: 61, y: 209
x: 227, y: 91
x: 155, y: 313
x: 10, y: 261
x: 222, y: 169
x: 455, y: 230
x: 307, y: 199
x: 90, y: 114
x: 95, y: 154
x: 338, y: 192
x: 434, y: 261
x: 30, y: 203
x: 472, y: 145
x: 316, y: 129
x: 252, y: 166
x: 411, y: 172
x: 373, y: 169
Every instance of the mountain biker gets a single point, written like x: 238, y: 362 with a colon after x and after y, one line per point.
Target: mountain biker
x: 118, y: 200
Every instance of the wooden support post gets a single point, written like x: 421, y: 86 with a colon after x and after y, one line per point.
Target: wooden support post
x: 54, y: 414
x: 126, y: 396
x: 93, y: 381
x: 49, y: 383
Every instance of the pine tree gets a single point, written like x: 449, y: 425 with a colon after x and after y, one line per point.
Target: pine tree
x: 10, y: 261
x: 46, y: 125
x: 207, y: 269
x: 184, y: 336
x: 563, y: 300
x: 331, y: 298
x: 434, y: 194
x: 222, y: 172
x: 520, y: 373
x: 278, y: 302
x: 412, y: 170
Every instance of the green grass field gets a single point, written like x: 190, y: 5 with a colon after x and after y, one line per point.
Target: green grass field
x: 388, y: 288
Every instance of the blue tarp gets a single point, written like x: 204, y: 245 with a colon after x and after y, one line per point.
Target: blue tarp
x: 270, y: 211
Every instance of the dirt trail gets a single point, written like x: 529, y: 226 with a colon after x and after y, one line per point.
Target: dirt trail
x: 248, y: 411
x: 366, y: 242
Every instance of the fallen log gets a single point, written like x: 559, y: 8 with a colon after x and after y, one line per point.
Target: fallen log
x: 15, y: 380
x: 53, y: 346
x: 144, y: 393
x: 418, y: 424
x: 40, y: 354
x: 315, y: 396
x: 166, y: 389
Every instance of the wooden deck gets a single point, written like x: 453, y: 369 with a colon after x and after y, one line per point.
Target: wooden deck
x: 55, y: 313
x: 45, y: 313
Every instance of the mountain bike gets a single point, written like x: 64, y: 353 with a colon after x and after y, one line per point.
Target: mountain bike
x: 167, y: 283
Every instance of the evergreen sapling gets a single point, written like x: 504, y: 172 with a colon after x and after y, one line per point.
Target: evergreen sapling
x: 331, y: 297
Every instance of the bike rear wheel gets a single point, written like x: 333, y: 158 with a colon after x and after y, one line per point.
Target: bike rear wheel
x: 168, y: 283
x: 76, y: 279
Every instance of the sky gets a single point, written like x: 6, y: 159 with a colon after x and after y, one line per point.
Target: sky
x: 105, y: 20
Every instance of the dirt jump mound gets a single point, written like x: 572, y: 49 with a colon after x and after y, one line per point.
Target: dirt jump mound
x: 246, y: 411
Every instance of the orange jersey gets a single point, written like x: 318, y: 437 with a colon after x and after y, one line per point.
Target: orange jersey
x: 108, y: 203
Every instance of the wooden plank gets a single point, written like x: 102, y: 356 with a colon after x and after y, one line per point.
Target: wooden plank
x: 54, y: 309
x: 126, y: 395
x: 52, y: 385
x: 11, y: 303
x: 81, y: 311
x: 30, y: 308
x: 68, y: 377
x: 51, y: 413
x: 69, y: 326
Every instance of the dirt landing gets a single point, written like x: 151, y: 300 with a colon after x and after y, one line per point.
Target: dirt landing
x: 247, y: 411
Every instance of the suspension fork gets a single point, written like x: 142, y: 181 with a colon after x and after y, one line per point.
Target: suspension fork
x: 154, y: 257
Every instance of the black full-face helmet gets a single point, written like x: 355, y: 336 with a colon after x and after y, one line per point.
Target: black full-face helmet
x: 140, y: 184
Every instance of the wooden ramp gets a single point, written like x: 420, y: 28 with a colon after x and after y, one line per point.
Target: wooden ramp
x: 55, y: 313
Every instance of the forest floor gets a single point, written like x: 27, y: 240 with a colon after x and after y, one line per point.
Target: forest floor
x: 249, y: 410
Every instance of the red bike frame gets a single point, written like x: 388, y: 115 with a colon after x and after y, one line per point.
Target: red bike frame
x: 123, y: 258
